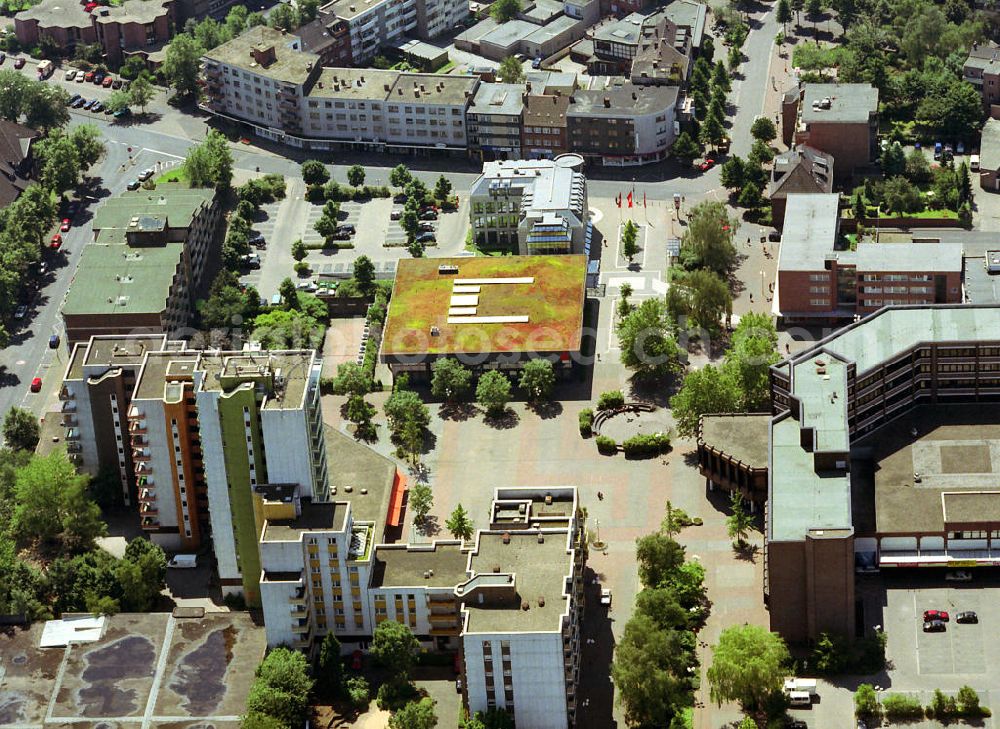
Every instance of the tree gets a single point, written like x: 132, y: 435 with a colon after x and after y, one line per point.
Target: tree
x: 405, y: 406
x: 538, y: 378
x: 503, y: 10
x: 358, y: 691
x: 749, y: 358
x: 459, y: 523
x: 289, y: 294
x: 141, y: 575
x: 917, y: 169
x: 893, y: 160
x: 421, y: 500
x: 329, y: 666
x: 511, y: 71
x: 287, y: 329
x: 308, y: 10
x: 708, y: 240
x: 739, y: 523
x: 866, y: 702
x: 748, y: 665
x: 763, y: 128
x: 964, y: 183
x: 734, y: 59
x: 659, y: 557
x: 858, y: 207
x: 132, y: 68
x: 968, y: 701
x: 900, y: 196
x: 314, y: 172
x: 442, y: 189
x: 720, y: 78
x: 450, y: 379
x: 750, y: 196
x: 51, y: 501
x: 708, y: 390
x: 181, y: 64
x: 364, y: 273
x: 400, y: 176
x: 117, y: 101
x: 630, y: 247
x: 351, y: 379
x: 283, y: 17
x: 733, y: 173
x: 58, y: 161
x: 493, y: 392
x: 210, y: 164
x: 710, y: 300
x: 685, y: 148
x: 299, y: 250
x: 360, y: 412
x: 395, y: 647
x: 45, y: 107
x: 647, y: 347
x: 20, y: 429
x: 415, y: 715
x: 356, y: 175
x: 281, y: 688
x: 140, y: 93
x: 784, y: 15
x: 712, y: 131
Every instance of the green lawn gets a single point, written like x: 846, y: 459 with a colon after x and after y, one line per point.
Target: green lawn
x: 446, y: 68
x: 177, y: 174
x: 810, y: 57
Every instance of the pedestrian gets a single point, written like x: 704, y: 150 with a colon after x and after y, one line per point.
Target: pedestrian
x: 600, y: 496
x: 751, y: 298
x: 788, y: 349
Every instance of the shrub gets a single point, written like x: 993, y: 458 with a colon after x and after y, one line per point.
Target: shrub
x: 646, y: 445
x: 586, y: 422
x: 358, y: 692
x: 605, y: 445
x: 301, y: 268
x: 314, y: 194
x: 901, y: 706
x: 611, y: 400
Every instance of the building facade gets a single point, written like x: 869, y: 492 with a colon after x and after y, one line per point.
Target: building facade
x: 624, y: 125
x: 494, y: 121
x: 840, y: 120
x: 538, y: 206
x: 543, y: 135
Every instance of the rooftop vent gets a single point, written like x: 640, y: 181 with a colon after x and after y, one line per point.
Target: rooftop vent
x: 506, y: 537
x: 525, y: 605
x: 496, y: 569
x: 541, y: 601
x: 435, y: 332
x: 548, y: 499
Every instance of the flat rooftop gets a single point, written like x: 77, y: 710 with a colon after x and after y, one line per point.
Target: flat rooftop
x: 741, y: 436
x: 152, y: 379
x: 535, y: 305
x: 433, y: 88
x: 956, y: 451
x: 501, y: 99
x: 404, y: 566
x: 810, y: 231
x: 117, y: 279
x: 623, y: 100
x: 353, y: 83
x: 109, y: 351
x: 290, y: 65
x: 326, y: 517
x: 849, y: 103
x: 355, y: 465
x: 540, y: 570
x: 172, y: 202
x: 224, y: 370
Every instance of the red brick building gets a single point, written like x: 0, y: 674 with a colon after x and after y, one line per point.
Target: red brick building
x: 821, y: 280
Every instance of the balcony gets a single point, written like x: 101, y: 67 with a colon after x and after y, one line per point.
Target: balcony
x: 301, y: 629
x: 148, y: 522
x: 147, y: 495
x: 143, y: 468
x: 442, y: 620
x: 450, y: 630
x: 137, y: 427
x: 72, y: 434
x: 140, y: 455
x: 302, y: 644
x: 147, y: 509
x: 134, y: 413
x: 68, y: 406
x: 64, y: 393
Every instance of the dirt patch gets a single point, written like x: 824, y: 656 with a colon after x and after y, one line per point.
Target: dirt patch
x: 128, y: 658
x: 199, y: 676
x: 966, y: 459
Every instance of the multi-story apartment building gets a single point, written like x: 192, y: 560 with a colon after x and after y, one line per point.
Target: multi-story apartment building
x: 510, y: 602
x: 623, y: 125
x: 262, y: 79
x: 94, y: 400
x: 494, y: 121
x: 137, y: 27
x: 543, y: 135
x: 538, y: 205
x: 146, y: 264
x: 839, y: 119
x: 821, y: 279
x: 982, y: 70
x: 260, y: 423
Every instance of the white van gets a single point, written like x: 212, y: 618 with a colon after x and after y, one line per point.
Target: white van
x: 974, y: 162
x: 183, y: 561
x: 799, y: 698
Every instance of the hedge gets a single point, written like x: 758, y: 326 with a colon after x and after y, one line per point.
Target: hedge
x: 901, y: 706
x: 586, y: 422
x: 611, y: 400
x: 605, y: 445
x: 646, y: 445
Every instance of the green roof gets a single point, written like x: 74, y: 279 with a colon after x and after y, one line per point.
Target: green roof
x: 172, y: 201
x: 117, y: 279
x: 419, y: 321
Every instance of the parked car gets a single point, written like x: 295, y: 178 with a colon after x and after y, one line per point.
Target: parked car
x: 54, y: 341
x: 65, y: 225
x: 967, y: 616
x: 70, y: 74
x: 399, y: 197
x: 536, y: 64
x: 257, y: 241
x: 958, y: 576
x: 88, y: 76
x: 79, y: 102
x: 707, y: 165
x: 3, y: 57
x: 99, y: 77
x: 22, y: 311
x: 941, y: 615
x: 123, y: 113
x: 56, y: 242
x: 108, y: 110
x: 107, y: 82
x: 341, y: 235
x: 73, y: 99
x: 426, y: 228
x: 36, y: 384
x: 90, y: 104
x: 251, y: 260
x: 19, y: 63
x: 774, y: 236
x: 395, y: 215
x: 960, y: 148
x: 183, y: 561
x: 937, y: 150
x: 425, y: 238
x: 146, y: 174
x: 96, y: 106
x: 116, y: 84
x: 134, y: 185
x: 429, y: 215
x: 347, y: 227
x: 934, y: 626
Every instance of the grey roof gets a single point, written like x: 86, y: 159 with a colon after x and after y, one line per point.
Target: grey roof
x: 983, y: 55
x: 803, y: 170
x: 627, y: 31
x: 558, y: 26
x: 477, y: 32
x: 542, y: 11
x: 506, y: 35
x: 290, y: 65
x: 810, y: 231
x: 61, y: 13
x: 545, y: 82
x: 547, y: 187
x: 989, y: 155
x: 431, y: 88
x: 500, y: 99
x: 623, y: 100
x: 849, y: 103
x: 354, y: 83
x: 907, y: 257
x: 134, y: 11
x: 689, y: 14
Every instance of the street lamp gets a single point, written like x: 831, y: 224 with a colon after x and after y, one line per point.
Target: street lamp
x: 762, y: 284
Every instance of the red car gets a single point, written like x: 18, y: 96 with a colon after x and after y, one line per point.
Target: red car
x: 36, y: 384
x: 356, y: 660
x: 56, y: 242
x: 19, y: 63
x: 707, y: 165
x: 65, y: 225
x: 935, y: 615
x: 106, y: 83
x: 89, y: 77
